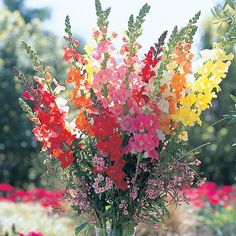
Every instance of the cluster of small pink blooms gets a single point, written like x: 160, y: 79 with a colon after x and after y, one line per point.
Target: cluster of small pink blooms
x: 136, y: 216
x: 178, y: 180
x: 154, y: 188
x: 80, y: 196
x: 124, y: 207
x: 134, y: 193
x: 201, y: 182
x: 152, y: 194
x: 143, y: 166
x: 196, y: 162
x: 102, y: 184
x: 185, y: 173
x: 81, y: 200
x: 98, y: 164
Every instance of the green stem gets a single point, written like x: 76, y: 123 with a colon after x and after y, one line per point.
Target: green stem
x: 137, y: 166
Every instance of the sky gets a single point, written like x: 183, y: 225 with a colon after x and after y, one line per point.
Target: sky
x: 164, y: 14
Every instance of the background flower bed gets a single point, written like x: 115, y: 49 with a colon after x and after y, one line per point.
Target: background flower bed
x: 212, y: 212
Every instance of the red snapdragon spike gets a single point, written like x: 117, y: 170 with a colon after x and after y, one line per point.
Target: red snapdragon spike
x: 116, y: 173
x: 47, y: 98
x: 150, y: 62
x: 65, y: 157
x: 139, y: 97
x: 27, y: 95
x: 71, y: 53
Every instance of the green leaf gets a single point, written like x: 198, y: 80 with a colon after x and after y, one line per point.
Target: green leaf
x: 79, y: 228
x: 230, y: 3
x: 129, y: 229
x: 154, y: 218
x: 233, y: 97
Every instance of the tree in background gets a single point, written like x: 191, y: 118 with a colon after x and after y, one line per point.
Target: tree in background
x: 19, y: 163
x: 27, y: 14
x: 218, y: 158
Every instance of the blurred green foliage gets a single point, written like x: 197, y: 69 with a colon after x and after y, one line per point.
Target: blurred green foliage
x: 218, y: 158
x: 220, y: 220
x: 19, y: 161
x: 28, y: 14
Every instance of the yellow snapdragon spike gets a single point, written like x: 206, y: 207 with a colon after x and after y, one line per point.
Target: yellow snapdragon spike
x: 204, y: 100
x: 206, y: 69
x: 215, y: 65
x: 88, y: 48
x: 187, y: 116
x: 189, y: 100
x: 90, y: 67
x: 203, y: 84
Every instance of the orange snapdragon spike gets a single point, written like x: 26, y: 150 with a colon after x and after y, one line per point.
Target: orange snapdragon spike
x: 74, y: 76
x: 82, y: 102
x: 164, y: 123
x: 163, y: 88
x: 172, y: 104
x: 178, y: 84
x: 83, y: 124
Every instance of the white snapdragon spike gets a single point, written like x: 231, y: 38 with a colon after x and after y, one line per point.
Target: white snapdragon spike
x: 72, y: 127
x: 38, y: 79
x: 58, y: 89
x: 61, y: 103
x: 163, y: 105
x: 208, y: 54
x: 167, y: 76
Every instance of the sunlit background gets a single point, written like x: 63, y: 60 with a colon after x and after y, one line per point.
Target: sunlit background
x: 164, y: 15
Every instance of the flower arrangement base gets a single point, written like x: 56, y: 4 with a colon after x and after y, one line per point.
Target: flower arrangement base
x: 119, y: 231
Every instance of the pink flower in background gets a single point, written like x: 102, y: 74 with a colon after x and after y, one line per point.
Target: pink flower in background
x: 6, y: 188
x: 212, y: 194
x: 32, y: 233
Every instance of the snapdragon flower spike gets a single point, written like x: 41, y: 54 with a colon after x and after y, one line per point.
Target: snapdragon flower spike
x: 51, y: 130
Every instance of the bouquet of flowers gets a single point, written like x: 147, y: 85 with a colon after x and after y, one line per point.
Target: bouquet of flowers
x: 121, y: 146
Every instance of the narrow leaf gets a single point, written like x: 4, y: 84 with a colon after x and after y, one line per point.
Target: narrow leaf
x: 233, y: 97
x: 79, y: 228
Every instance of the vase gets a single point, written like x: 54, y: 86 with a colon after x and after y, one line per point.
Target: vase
x: 108, y: 231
